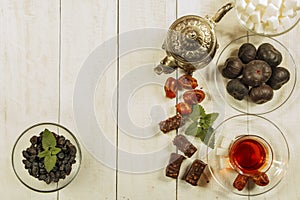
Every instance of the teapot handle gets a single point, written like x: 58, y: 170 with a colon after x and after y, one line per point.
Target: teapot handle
x: 222, y: 11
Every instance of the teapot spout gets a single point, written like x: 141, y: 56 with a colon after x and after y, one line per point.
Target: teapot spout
x: 222, y: 11
x: 166, y: 66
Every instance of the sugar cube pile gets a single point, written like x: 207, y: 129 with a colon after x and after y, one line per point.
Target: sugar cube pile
x: 268, y: 16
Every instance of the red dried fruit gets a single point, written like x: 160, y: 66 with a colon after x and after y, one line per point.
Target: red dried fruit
x: 193, y: 96
x: 187, y: 82
x: 261, y: 179
x: 183, y: 108
x: 171, y: 87
x: 240, y: 182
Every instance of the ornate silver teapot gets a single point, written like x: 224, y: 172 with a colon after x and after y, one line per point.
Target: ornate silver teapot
x: 191, y: 42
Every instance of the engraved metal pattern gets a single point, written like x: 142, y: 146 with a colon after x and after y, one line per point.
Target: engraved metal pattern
x: 191, y: 38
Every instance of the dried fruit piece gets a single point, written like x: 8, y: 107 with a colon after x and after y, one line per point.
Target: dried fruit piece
x: 195, y: 171
x: 270, y: 54
x: 193, y: 96
x: 171, y: 87
x: 187, y: 82
x: 261, y: 179
x: 183, y: 108
x: 240, y: 182
x: 279, y: 77
x: 233, y: 68
x: 256, y: 73
x: 185, y: 146
x: 247, y: 52
x: 237, y: 89
x: 261, y: 94
x: 171, y: 123
x: 174, y: 165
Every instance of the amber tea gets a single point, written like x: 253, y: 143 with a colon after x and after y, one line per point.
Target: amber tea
x: 249, y: 155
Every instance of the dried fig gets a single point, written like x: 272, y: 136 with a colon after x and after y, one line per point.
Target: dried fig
x: 279, y: 77
x: 233, y: 68
x: 256, y: 73
x: 237, y: 89
x: 268, y: 53
x: 247, y: 52
x: 261, y: 94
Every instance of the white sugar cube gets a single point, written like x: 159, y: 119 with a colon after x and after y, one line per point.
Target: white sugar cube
x: 258, y: 28
x: 244, y: 17
x: 262, y: 3
x: 250, y: 8
x: 250, y: 24
x: 277, y: 3
x: 225, y: 142
x: 224, y: 163
x: 285, y: 22
x: 288, y: 12
x: 270, y: 11
x: 241, y: 5
x: 221, y: 152
x: 273, y: 23
x: 290, y: 4
x: 255, y: 17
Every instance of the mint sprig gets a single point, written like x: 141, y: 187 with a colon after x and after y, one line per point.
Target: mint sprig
x: 50, y: 150
x: 201, y: 125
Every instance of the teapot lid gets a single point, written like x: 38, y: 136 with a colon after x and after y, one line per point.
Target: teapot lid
x: 190, y: 39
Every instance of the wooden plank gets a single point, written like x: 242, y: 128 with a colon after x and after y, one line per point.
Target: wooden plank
x: 86, y: 25
x: 29, y: 61
x: 143, y: 150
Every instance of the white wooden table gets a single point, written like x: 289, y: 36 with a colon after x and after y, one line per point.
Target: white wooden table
x: 43, y: 45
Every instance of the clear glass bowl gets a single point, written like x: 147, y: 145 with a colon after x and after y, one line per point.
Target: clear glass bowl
x: 23, y: 142
x: 244, y: 125
x: 287, y: 19
x: 245, y: 105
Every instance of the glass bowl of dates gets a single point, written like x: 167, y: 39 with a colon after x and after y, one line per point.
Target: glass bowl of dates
x: 46, y: 157
x: 256, y: 74
x: 251, y: 155
x: 269, y: 18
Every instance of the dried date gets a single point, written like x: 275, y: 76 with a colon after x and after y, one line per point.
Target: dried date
x: 183, y: 108
x: 187, y: 82
x: 171, y: 87
x: 240, y: 182
x: 193, y: 96
x: 261, y: 179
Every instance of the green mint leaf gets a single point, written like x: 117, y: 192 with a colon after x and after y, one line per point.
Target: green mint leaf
x: 194, y: 116
x: 209, y: 139
x: 55, y: 150
x: 201, y: 132
x: 211, y: 118
x: 201, y: 111
x: 44, y: 154
x: 49, y: 162
x: 192, y: 129
x: 48, y: 140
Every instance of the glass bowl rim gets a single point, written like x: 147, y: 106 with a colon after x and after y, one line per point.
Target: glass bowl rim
x: 78, y: 151
x: 208, y: 151
x: 294, y: 67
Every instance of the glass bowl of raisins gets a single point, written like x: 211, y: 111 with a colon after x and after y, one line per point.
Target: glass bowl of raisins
x: 46, y: 157
x: 255, y: 74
